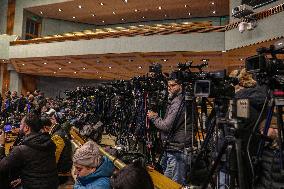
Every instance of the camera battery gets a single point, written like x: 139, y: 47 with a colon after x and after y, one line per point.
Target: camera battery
x: 243, y: 108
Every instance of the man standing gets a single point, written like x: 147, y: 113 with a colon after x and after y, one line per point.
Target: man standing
x: 175, y: 135
x: 34, y: 159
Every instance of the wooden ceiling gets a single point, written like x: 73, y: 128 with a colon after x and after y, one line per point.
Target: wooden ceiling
x: 105, y: 12
x: 126, y: 66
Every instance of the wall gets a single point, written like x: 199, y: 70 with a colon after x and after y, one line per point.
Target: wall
x: 3, y: 16
x: 21, y: 4
x: 55, y: 86
x: 53, y: 27
x: 213, y: 41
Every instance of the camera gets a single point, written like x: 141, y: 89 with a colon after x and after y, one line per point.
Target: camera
x: 242, y: 11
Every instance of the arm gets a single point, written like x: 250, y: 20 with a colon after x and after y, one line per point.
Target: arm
x: 13, y: 160
x: 59, y: 142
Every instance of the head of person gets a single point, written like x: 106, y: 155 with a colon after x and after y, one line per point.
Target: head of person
x: 132, y: 176
x: 7, y: 94
x: 36, y: 92
x: 28, y: 93
x: 86, y: 159
x: 31, y: 98
x: 45, y: 124
x: 174, y: 85
x: 14, y: 94
x: 30, y: 124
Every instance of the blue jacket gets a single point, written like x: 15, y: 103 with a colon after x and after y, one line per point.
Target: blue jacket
x: 100, y: 179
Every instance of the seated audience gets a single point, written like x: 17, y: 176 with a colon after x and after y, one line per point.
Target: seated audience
x: 92, y: 170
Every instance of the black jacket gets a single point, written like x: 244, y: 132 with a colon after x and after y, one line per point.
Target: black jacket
x: 35, y: 161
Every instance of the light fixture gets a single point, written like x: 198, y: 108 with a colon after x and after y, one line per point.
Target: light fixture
x: 165, y: 60
x: 69, y: 62
x: 75, y: 72
x: 100, y: 77
x: 160, y: 8
x: 125, y: 1
x: 93, y: 14
x: 224, y: 51
x: 59, y: 68
x: 44, y: 63
x: 98, y: 61
x: 189, y: 14
x: 84, y: 68
x: 185, y: 6
x: 140, y: 67
x: 80, y: 6
x: 73, y: 17
x: 59, y: 10
x: 136, y: 10
x: 279, y: 44
x: 103, y: 21
x: 143, y: 17
x: 122, y: 19
x: 41, y: 12
x: 204, y: 60
x: 241, y: 59
x: 212, y: 3
x: 109, y: 67
x: 23, y: 64
x: 113, y: 12
x: 102, y: 4
x: 214, y: 12
x: 166, y: 15
x: 54, y: 72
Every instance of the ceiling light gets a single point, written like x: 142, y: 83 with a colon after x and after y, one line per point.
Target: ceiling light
x: 122, y: 19
x: 214, y: 12
x: 113, y: 12
x: 44, y: 63
x: 103, y: 21
x: 41, y: 12
x: 69, y: 62
x: 189, y: 14
x: 80, y: 6
x: 160, y: 8
x: 75, y: 72
x: 84, y: 68
x: 109, y: 67
x: 125, y: 1
x: 59, y: 10
x: 212, y: 3
x: 241, y: 59
x: 204, y: 60
x: 224, y: 51
x: 54, y: 72
x: 93, y: 14
x: 100, y: 77
x: 136, y: 10
x: 97, y: 72
x: 139, y: 67
x: 98, y: 61
x: 143, y: 17
x: 73, y: 17
x: 23, y: 64
x: 279, y: 44
x: 165, y: 60
x: 102, y: 4
x: 59, y: 68
x: 185, y: 6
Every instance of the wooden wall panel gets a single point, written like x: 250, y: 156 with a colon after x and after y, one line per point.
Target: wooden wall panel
x: 29, y: 83
x: 11, y: 16
x: 6, y: 79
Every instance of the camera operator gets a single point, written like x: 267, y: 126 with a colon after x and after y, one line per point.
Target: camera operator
x: 34, y: 159
x: 173, y: 133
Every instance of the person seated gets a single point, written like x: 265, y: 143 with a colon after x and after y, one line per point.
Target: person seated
x: 92, y: 169
x: 132, y: 176
x: 63, y: 153
x: 33, y: 159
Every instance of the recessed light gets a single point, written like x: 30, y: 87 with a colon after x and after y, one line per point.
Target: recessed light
x: 3, y: 60
x: 166, y: 15
x: 189, y: 14
x: 204, y: 60
x: 103, y: 21
x: 102, y: 4
x: 241, y: 59
x: 223, y: 51
x: 136, y: 10
x: 73, y: 17
x: 160, y: 8
x: 100, y: 77
x: 109, y: 67
x: 54, y: 72
x: 122, y: 19
x: 84, y: 68
x: 165, y: 60
x: 280, y: 43
x: 139, y: 67
x: 185, y: 6
x: 113, y: 12
x: 212, y: 3
x: 69, y: 62
x: 97, y: 72
x: 143, y: 17
x: 214, y: 12
x: 44, y: 63
x: 75, y: 72
x: 41, y: 12
x: 59, y: 10
x: 59, y: 68
x: 23, y: 64
x: 80, y: 6
x: 93, y: 14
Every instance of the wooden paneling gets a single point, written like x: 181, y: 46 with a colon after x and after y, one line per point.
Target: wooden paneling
x: 29, y: 83
x: 6, y: 79
x: 11, y: 16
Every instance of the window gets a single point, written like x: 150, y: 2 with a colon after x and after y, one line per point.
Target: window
x: 32, y: 29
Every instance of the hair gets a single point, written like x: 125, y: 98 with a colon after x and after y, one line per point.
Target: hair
x: 33, y: 121
x: 132, y: 176
x: 45, y: 122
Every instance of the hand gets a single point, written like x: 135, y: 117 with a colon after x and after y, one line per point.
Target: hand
x: 152, y: 114
x: 16, y: 183
x: 2, y: 137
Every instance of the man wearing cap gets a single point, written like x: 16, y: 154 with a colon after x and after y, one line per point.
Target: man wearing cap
x: 92, y: 170
x: 175, y: 135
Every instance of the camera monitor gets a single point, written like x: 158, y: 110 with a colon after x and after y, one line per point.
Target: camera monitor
x: 202, y: 88
x: 255, y: 63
